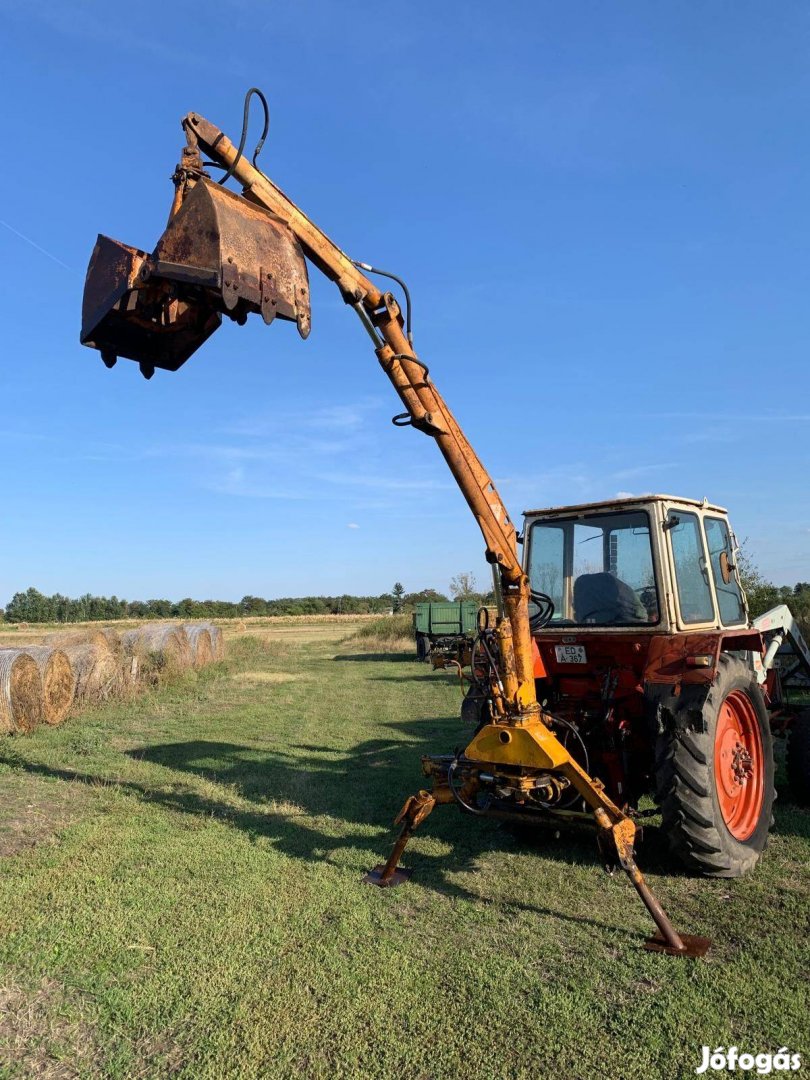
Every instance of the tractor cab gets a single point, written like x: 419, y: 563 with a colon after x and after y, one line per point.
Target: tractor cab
x: 645, y: 662
x: 649, y: 564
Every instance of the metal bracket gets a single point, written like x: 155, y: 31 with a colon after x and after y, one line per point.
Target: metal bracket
x: 230, y: 284
x: 268, y: 296
x: 422, y: 423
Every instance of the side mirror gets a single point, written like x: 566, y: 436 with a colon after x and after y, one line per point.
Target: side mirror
x: 726, y: 567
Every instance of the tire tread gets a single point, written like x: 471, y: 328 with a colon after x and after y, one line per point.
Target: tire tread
x: 685, y: 781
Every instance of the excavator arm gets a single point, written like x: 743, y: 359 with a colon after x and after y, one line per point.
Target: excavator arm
x: 425, y: 408
x: 136, y: 303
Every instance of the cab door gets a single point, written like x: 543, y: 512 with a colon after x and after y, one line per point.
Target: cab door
x: 690, y: 567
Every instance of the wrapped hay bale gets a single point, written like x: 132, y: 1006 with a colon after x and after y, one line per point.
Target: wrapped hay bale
x: 60, y: 638
x: 158, y: 649
x: 58, y: 681
x: 217, y: 641
x: 202, y: 650
x: 105, y: 637
x: 97, y: 672
x: 113, y: 639
x: 20, y: 692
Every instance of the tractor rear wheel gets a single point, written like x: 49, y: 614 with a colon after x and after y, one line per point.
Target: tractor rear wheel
x: 715, y: 777
x: 798, y: 759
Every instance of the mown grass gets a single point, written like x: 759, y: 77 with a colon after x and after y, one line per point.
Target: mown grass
x: 199, y: 912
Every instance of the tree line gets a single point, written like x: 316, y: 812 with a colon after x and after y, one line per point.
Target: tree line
x: 32, y: 606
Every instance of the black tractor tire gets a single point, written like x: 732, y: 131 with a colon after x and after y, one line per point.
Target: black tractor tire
x: 422, y: 647
x: 700, y: 834
x: 797, y: 759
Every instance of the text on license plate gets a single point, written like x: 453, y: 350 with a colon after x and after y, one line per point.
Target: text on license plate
x: 570, y: 654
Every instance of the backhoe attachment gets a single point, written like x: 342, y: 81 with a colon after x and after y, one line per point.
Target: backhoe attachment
x: 219, y: 255
x: 227, y: 254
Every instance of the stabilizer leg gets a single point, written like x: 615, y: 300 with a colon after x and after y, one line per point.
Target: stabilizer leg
x: 616, y: 842
x: 412, y: 814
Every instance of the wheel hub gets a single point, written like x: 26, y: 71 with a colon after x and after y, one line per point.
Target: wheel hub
x: 739, y: 765
x: 742, y: 764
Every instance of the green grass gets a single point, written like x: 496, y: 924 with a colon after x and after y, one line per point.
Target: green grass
x: 193, y: 905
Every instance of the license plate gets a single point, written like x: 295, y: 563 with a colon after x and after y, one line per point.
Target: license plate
x: 570, y: 654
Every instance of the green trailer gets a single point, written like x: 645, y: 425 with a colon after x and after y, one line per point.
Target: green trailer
x: 443, y: 625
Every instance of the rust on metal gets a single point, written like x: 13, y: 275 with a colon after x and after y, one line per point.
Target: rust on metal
x: 219, y: 255
x: 413, y: 813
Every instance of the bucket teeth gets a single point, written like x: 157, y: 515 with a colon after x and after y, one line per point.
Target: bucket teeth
x: 219, y: 255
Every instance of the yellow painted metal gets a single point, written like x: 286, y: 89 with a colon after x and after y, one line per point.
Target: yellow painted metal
x: 507, y: 665
x: 530, y: 745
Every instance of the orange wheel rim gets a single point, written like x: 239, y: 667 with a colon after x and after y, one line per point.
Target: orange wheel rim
x: 739, y: 765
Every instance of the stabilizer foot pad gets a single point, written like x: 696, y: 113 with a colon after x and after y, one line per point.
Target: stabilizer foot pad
x: 374, y: 877
x: 693, y: 946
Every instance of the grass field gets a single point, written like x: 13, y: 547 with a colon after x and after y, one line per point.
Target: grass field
x: 180, y: 896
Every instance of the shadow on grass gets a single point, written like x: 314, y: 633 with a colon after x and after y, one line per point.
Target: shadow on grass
x: 334, y: 788
x: 299, y: 840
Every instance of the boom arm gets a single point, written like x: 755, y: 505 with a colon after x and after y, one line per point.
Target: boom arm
x: 426, y: 409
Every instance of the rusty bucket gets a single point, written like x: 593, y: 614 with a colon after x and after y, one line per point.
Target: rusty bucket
x: 219, y: 255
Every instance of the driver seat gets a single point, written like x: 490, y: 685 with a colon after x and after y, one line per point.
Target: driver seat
x: 604, y: 599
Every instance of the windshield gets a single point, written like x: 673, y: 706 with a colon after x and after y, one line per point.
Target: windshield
x: 598, y: 570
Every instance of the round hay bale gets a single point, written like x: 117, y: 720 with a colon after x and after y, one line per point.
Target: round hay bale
x: 58, y: 681
x: 199, y: 638
x: 160, y: 648
x: 113, y: 639
x: 60, y: 638
x: 217, y: 641
x: 20, y: 692
x: 98, y: 675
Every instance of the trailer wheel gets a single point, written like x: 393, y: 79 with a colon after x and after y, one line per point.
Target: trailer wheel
x: 716, y: 784
x: 798, y: 759
x: 422, y: 647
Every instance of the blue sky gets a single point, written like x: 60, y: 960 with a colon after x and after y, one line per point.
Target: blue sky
x: 601, y: 210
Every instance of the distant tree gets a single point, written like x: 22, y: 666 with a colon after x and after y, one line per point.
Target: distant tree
x: 159, y: 609
x: 397, y: 594
x: 464, y: 587
x: 253, y: 605
x: 761, y: 594
x: 425, y: 596
x: 30, y: 606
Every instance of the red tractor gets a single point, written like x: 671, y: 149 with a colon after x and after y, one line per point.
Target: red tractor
x: 658, y: 682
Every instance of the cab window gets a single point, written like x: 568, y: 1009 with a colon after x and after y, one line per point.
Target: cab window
x: 547, y: 565
x: 721, y: 556
x: 691, y: 574
x: 597, y: 569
